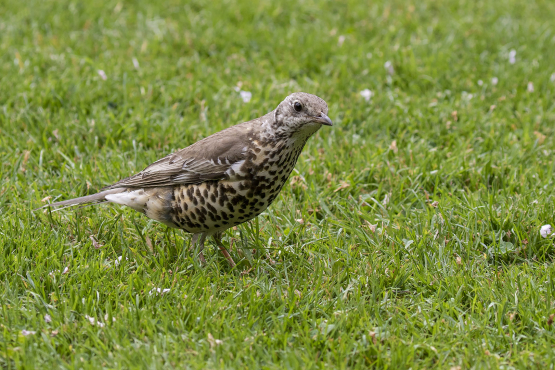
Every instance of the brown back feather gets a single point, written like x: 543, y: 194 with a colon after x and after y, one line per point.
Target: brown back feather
x: 207, y: 159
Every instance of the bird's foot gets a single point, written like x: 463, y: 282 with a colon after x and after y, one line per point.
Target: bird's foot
x: 202, y: 259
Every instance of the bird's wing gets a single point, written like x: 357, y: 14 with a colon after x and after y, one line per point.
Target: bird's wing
x: 207, y: 159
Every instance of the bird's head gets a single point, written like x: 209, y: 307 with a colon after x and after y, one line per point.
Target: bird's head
x: 301, y: 114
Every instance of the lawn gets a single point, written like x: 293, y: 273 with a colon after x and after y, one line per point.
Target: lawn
x: 407, y: 236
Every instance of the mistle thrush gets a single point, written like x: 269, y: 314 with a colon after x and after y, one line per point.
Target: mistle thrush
x: 225, y: 179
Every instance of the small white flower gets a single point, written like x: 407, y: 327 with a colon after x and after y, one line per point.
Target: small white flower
x: 545, y: 231
x: 494, y: 81
x: 512, y: 56
x: 340, y: 40
x: 47, y: 318
x: 480, y: 82
x: 389, y: 67
x: 466, y: 96
x: 369, y: 55
x: 530, y: 87
x: 135, y: 63
x: 158, y: 291
x: 118, y: 261
x: 552, y: 78
x: 102, y: 74
x: 366, y: 94
x: 246, y: 96
x: 27, y: 332
x: 66, y: 270
x: 93, y: 321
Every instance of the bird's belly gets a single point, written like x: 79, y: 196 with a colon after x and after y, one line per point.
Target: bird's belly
x: 215, y: 206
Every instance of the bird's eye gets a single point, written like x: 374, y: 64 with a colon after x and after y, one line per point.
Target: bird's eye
x: 298, y: 106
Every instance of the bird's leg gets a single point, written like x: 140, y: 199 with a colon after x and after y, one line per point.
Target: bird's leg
x: 218, y: 238
x: 198, y: 243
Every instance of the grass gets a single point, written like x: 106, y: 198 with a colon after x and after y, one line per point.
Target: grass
x: 408, y: 237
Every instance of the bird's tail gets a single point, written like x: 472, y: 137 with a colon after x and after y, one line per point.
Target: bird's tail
x: 94, y: 198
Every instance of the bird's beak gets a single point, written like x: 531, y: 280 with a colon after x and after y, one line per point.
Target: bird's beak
x: 324, y: 120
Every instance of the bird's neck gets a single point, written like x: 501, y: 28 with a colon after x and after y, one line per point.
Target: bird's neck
x: 272, y: 130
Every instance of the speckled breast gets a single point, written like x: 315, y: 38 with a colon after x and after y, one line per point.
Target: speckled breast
x: 215, y: 206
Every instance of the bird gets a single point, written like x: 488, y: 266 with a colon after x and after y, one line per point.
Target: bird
x: 223, y: 180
